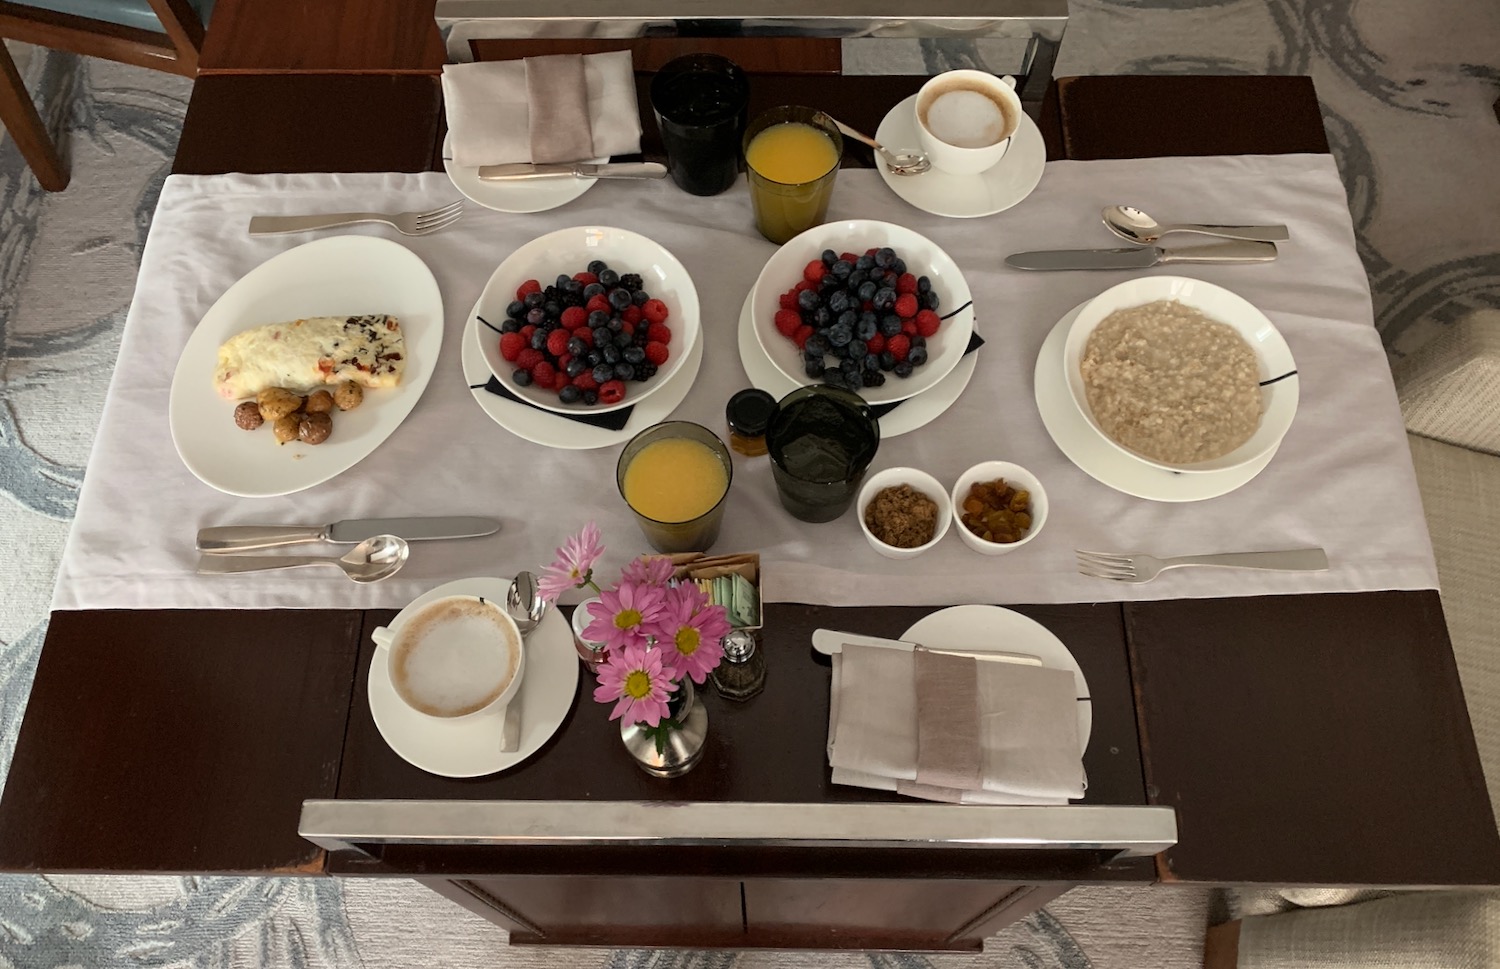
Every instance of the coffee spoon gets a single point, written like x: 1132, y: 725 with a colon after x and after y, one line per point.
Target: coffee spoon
x: 902, y: 163
x: 526, y: 606
x: 1133, y: 225
x: 376, y: 558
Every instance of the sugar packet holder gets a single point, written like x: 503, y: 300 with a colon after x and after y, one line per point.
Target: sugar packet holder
x: 732, y: 581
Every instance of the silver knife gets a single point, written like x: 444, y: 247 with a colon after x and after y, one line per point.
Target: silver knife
x: 1143, y: 257
x: 830, y: 641
x: 496, y: 173
x: 237, y: 538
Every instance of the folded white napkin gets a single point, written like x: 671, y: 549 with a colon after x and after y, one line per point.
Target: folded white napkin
x: 489, y: 111
x: 1021, y: 720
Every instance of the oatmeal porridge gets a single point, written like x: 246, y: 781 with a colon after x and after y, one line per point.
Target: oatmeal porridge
x: 1169, y: 383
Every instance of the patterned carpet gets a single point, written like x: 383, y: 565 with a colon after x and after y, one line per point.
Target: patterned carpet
x: 1406, y: 91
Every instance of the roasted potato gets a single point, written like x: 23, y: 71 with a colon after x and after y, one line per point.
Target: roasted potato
x: 277, y: 402
x: 248, y: 416
x: 318, y: 402
x: 285, y: 427
x: 314, y: 428
x: 348, y: 395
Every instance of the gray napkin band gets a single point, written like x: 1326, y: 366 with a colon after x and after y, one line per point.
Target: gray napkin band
x: 558, y: 109
x: 948, y: 749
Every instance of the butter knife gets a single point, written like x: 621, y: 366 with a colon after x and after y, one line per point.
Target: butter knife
x: 239, y: 538
x: 524, y: 170
x: 830, y: 641
x: 1143, y: 257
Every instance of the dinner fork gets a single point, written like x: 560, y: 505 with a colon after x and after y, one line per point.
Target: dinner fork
x: 407, y: 223
x: 1136, y: 567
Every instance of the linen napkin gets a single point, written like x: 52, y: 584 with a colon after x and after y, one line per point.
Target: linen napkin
x: 534, y: 110
x: 957, y: 729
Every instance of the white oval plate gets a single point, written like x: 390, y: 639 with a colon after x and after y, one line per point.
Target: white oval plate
x: 1013, y: 178
x: 982, y: 628
x: 570, y: 250
x: 553, y: 430
x: 914, y: 412
x: 339, y: 276
x: 471, y: 748
x: 518, y: 196
x: 1101, y: 460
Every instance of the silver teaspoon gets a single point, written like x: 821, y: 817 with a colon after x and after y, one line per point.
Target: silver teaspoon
x: 526, y: 606
x: 375, y: 558
x: 1133, y: 225
x: 902, y: 162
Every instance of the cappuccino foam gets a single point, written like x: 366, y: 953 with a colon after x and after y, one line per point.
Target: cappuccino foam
x: 966, y: 118
x: 454, y: 657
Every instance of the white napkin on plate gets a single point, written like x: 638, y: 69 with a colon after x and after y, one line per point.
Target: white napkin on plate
x: 1023, y: 721
x: 489, y: 112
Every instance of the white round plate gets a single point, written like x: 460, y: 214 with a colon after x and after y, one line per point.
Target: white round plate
x: 339, y: 276
x: 471, y: 748
x: 1100, y: 459
x: 552, y: 430
x: 518, y: 196
x: 923, y: 257
x: 962, y: 196
x: 570, y: 250
x: 985, y: 628
x: 914, y: 412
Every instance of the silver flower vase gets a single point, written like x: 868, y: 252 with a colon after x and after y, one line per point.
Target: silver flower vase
x: 669, y: 752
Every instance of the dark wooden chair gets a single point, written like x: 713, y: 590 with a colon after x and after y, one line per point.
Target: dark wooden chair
x: 164, y: 35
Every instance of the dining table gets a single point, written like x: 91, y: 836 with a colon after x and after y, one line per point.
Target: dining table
x: 1307, y: 738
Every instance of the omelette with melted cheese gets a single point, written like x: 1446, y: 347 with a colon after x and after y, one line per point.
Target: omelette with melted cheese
x: 304, y: 354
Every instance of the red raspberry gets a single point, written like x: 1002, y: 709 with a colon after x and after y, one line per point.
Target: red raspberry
x: 657, y: 353
x: 527, y: 288
x: 907, y: 283
x: 574, y: 316
x: 800, y: 337
x: 528, y: 358
x: 631, y: 314
x: 787, y: 322
x: 557, y: 342
x: 909, y: 327
x: 871, y: 251
x: 803, y: 284
x: 906, y: 306
x: 628, y: 327
x: 876, y: 344
x: 661, y: 333
x: 526, y: 332
x: 585, y: 277
x: 899, y: 346
x: 848, y: 257
x: 511, y: 345
x: 654, y: 310
x: 611, y: 391
x: 586, y: 381
x: 560, y: 380
x: 928, y: 322
x: 543, y: 373
x: 815, y: 271
x: 598, y: 304
x: 585, y: 334
x: 564, y: 360
x: 789, y: 299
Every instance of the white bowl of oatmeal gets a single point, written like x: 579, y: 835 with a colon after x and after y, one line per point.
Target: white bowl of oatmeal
x: 1181, y: 374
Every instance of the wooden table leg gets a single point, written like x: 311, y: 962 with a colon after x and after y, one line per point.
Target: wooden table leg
x: 25, y: 126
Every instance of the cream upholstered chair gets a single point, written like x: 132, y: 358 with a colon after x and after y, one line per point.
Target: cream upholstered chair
x: 1450, y: 397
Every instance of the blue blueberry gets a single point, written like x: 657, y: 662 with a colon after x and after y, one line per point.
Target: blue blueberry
x: 838, y: 301
x: 608, y: 278
x: 619, y: 299
x: 867, y: 290
x: 538, y: 339
x: 902, y: 369
x: 536, y: 316
x: 899, y: 266
x: 623, y: 340
x: 634, y: 354
x: 576, y: 366
x: 928, y: 300
x: 593, y: 358
x: 577, y: 347
x: 522, y: 378
x: 591, y: 397
x: 817, y: 343
x: 561, y: 280
x: 602, y: 334
x: 610, y: 353
x: 624, y: 371
x: 813, y: 366
x: 890, y: 324
x: 615, y: 324
x: 848, y: 318
x: 830, y: 257
x: 917, y: 356
x: 822, y: 316
x: 857, y: 349
x: 874, y: 378
x: 839, y: 335
x: 865, y: 262
x: 516, y: 308
x: 856, y: 279
x: 597, y: 266
x: 887, y: 360
x: 867, y: 327
x: 870, y: 363
x: 570, y: 394
x: 510, y: 326
x: 884, y: 298
x: 842, y: 268
x: 639, y: 296
x: 885, y: 257
x: 807, y: 300
x: 534, y: 300
x: 924, y: 285
x: 592, y: 290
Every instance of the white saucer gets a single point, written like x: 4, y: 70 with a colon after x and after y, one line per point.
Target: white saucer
x: 962, y: 196
x: 472, y: 748
x: 913, y: 413
x: 519, y: 195
x: 983, y: 628
x: 1102, y: 461
x: 552, y: 430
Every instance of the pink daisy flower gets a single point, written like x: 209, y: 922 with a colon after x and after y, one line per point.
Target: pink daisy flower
x: 690, y: 633
x: 636, y: 678
x: 648, y: 570
x: 624, y: 616
x: 574, y: 566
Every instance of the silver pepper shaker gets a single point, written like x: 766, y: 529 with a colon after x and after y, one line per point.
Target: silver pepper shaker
x: 743, y: 672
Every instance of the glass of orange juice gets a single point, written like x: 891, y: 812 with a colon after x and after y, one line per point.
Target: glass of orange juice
x: 791, y: 155
x: 675, y: 476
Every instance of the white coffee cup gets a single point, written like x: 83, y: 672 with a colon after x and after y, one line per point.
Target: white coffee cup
x: 455, y: 658
x: 966, y: 120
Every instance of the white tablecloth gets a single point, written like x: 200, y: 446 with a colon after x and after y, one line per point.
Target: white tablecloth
x: 1342, y: 480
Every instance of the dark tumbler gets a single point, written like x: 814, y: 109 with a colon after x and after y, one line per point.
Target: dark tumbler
x: 821, y: 441
x: 700, y: 102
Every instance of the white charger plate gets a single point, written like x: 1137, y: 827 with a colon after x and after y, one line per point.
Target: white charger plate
x: 471, y: 748
x: 983, y: 629
x: 339, y: 276
x: 1101, y: 460
x: 518, y: 196
x: 1013, y: 178
x: 553, y: 430
x: 914, y: 412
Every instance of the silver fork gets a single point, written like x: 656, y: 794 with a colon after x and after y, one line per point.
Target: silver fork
x: 407, y: 223
x: 1136, y: 567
